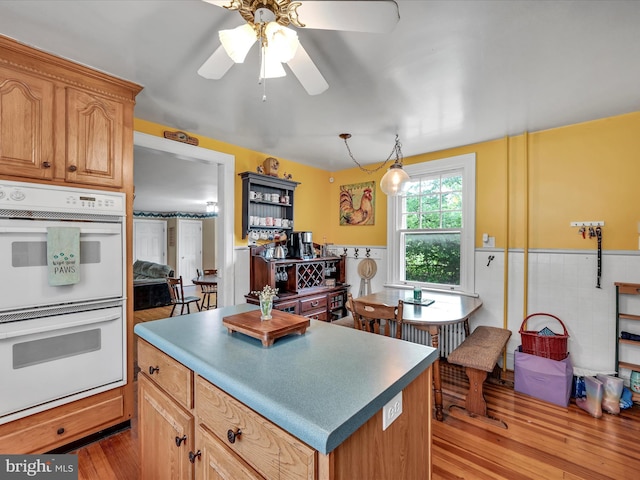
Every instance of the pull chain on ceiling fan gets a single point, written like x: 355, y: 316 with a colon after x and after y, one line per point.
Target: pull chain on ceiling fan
x: 268, y: 21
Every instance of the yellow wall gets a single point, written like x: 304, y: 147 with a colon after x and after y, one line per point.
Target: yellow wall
x: 310, y: 194
x: 581, y: 172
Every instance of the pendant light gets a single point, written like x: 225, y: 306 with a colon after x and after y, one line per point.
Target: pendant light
x: 396, y: 179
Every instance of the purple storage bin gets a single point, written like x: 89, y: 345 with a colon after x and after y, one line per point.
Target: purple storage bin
x: 543, y: 378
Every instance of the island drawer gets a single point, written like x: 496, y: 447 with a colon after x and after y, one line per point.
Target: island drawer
x: 267, y: 448
x: 170, y: 375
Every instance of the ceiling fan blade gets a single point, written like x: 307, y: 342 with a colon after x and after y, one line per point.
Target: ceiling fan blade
x: 219, y: 3
x: 353, y: 16
x: 216, y: 65
x: 307, y: 73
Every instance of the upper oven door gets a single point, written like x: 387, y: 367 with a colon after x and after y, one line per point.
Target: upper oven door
x: 23, y: 263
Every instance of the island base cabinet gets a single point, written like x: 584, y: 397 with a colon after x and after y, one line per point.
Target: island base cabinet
x: 402, y: 451
x: 235, y: 442
x: 166, y: 435
x: 216, y: 462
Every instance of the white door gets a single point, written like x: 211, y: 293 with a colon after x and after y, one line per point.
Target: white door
x: 150, y: 240
x: 189, y: 249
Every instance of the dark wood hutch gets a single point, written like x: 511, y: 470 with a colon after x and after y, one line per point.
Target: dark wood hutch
x: 314, y: 288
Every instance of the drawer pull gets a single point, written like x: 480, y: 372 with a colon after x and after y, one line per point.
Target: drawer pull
x: 179, y: 440
x: 193, y: 456
x: 46, y: 165
x: 231, y: 435
x: 72, y: 168
x: 316, y: 303
x: 153, y: 369
x: 60, y: 431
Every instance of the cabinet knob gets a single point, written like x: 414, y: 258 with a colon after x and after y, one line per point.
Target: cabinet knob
x: 316, y: 303
x: 193, y: 456
x: 46, y: 165
x: 231, y: 435
x: 72, y: 168
x: 153, y: 369
x: 179, y: 440
x: 60, y: 431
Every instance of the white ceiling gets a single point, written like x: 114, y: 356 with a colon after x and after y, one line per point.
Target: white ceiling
x: 451, y: 72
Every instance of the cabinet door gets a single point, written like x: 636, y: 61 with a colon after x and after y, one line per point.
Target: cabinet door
x: 26, y: 125
x: 95, y: 127
x: 164, y: 450
x: 216, y: 462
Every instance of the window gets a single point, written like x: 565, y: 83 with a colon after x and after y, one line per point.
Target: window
x: 431, y: 228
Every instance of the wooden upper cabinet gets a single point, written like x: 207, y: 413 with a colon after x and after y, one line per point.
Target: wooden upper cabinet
x: 94, y: 139
x: 26, y: 125
x: 63, y: 122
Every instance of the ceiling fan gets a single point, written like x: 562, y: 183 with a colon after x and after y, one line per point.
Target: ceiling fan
x: 267, y: 22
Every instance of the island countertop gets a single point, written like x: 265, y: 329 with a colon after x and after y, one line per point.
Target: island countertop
x: 320, y: 386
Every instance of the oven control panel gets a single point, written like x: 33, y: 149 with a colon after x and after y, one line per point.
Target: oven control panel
x: 39, y: 197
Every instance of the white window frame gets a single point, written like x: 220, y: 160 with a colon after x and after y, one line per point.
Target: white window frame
x: 466, y: 163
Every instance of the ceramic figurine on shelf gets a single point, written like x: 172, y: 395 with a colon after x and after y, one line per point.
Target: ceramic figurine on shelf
x: 287, y: 176
x: 260, y: 169
x: 271, y: 166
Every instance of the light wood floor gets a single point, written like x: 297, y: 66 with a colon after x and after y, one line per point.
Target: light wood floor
x: 542, y: 441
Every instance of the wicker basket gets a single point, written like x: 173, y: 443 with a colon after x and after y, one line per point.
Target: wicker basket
x: 548, y: 346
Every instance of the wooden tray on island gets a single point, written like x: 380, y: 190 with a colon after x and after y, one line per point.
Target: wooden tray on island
x: 266, y: 331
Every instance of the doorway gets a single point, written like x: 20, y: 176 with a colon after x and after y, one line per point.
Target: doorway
x: 224, y: 167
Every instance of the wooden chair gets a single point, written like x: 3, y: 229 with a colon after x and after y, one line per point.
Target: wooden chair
x: 375, y: 317
x: 176, y: 291
x: 208, y: 290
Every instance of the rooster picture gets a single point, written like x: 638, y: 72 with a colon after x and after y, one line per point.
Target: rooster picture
x: 364, y: 214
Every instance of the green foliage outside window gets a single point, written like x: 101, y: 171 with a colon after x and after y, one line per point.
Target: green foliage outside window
x: 433, y: 258
x: 433, y: 204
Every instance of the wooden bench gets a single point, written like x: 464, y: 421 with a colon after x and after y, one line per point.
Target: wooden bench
x: 479, y: 354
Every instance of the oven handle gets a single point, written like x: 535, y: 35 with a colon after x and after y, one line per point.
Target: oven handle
x: 99, y: 231
x: 58, y: 326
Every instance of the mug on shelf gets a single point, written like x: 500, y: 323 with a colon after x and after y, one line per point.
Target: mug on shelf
x: 269, y: 221
x: 275, y: 198
x: 252, y: 195
x: 262, y: 222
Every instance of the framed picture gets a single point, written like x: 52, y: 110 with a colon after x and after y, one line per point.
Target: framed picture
x: 357, y: 204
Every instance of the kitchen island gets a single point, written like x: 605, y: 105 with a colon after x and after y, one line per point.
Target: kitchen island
x: 309, y: 406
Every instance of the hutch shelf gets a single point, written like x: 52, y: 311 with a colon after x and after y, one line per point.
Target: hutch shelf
x: 267, y: 203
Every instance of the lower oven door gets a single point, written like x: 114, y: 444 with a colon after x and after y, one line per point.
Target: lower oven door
x: 23, y: 263
x: 50, y: 361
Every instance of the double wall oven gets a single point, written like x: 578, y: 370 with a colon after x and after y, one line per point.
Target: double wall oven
x: 60, y: 343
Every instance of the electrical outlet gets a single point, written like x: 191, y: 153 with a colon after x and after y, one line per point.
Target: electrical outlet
x: 391, y: 410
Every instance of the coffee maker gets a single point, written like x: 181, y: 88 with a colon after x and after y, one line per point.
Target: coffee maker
x: 300, y: 245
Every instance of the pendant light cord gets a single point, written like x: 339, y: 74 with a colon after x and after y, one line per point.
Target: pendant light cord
x: 395, y: 151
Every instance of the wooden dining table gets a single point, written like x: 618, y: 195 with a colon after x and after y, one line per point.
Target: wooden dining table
x: 446, y: 309
x: 209, y: 280
x: 208, y: 283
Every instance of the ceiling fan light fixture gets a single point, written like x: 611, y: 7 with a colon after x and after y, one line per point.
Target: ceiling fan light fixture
x: 282, y: 41
x: 238, y: 41
x: 270, y: 66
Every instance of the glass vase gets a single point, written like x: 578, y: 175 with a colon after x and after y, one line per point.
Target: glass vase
x: 266, y: 305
